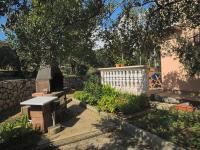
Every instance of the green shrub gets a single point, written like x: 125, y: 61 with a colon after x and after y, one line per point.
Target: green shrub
x: 18, y: 134
x: 109, y: 99
x: 132, y: 104
x: 91, y: 100
x: 107, y: 90
x: 107, y: 103
x: 179, y: 127
x: 93, y: 87
x: 94, y: 79
x: 81, y: 95
x: 143, y: 101
x: 85, y: 97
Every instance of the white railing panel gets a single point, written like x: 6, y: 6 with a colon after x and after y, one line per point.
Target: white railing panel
x: 131, y: 79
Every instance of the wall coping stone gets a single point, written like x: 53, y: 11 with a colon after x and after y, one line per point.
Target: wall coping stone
x: 122, y: 68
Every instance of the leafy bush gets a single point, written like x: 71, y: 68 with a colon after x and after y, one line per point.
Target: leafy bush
x: 107, y: 103
x: 129, y: 104
x: 91, y: 71
x: 143, y: 101
x: 85, y: 97
x: 18, y: 134
x: 94, y: 87
x: 109, y: 99
x: 109, y: 91
x: 81, y: 95
x: 179, y: 127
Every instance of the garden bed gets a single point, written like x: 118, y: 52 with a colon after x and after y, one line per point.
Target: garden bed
x: 108, y: 99
x: 181, y: 128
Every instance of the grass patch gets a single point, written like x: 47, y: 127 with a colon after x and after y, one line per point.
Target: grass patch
x: 181, y: 128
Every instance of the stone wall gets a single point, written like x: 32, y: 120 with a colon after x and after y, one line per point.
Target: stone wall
x: 73, y: 82
x: 12, y: 92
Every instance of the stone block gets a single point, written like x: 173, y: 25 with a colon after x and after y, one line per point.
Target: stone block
x: 171, y: 100
x: 5, y: 106
x: 10, y: 104
x: 1, y: 102
x: 54, y: 129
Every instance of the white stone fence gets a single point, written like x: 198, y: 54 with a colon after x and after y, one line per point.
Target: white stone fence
x: 130, y: 79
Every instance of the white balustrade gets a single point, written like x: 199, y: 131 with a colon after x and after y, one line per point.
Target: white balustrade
x: 130, y: 79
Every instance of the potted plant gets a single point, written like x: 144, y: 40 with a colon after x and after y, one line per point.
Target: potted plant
x: 120, y: 62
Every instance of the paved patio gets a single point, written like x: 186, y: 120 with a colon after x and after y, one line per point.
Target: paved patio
x: 78, y: 121
x: 84, y: 129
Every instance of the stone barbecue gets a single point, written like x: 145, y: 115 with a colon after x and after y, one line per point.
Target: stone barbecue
x: 49, y: 102
x: 49, y: 79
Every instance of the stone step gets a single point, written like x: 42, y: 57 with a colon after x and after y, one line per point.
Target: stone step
x: 69, y: 140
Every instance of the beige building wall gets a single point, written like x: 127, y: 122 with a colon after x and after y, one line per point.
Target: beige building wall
x: 174, y: 75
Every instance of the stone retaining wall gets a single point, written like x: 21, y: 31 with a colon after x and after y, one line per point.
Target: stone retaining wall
x: 12, y: 92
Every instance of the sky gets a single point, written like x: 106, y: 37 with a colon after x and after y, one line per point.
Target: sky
x: 2, y: 35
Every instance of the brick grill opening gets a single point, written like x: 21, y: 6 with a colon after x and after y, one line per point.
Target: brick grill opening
x: 49, y: 79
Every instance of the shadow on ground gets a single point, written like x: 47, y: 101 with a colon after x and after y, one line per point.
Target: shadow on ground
x: 8, y: 113
x: 117, y: 138
x: 70, y: 118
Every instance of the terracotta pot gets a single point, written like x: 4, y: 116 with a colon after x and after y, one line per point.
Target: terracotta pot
x: 117, y: 65
x: 121, y: 65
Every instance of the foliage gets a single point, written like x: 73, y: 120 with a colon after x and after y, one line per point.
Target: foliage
x: 93, y: 86
x: 126, y: 40
x: 51, y: 31
x: 18, y: 134
x: 121, y: 61
x: 8, y: 57
x: 182, y: 128
x: 163, y: 16
x: 189, y: 55
x: 109, y: 99
x: 82, y: 70
x: 91, y: 71
x: 109, y: 91
x: 158, y: 21
x: 107, y: 103
x: 129, y: 104
x: 85, y: 97
x: 61, y: 29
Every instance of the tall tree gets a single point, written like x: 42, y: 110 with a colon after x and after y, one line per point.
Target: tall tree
x: 8, y: 57
x: 127, y: 39
x: 52, y: 29
x: 163, y: 15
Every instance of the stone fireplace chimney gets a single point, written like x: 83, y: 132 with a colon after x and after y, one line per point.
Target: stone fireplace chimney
x: 49, y: 79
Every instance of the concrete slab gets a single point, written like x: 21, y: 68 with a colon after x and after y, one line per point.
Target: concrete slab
x: 78, y: 121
